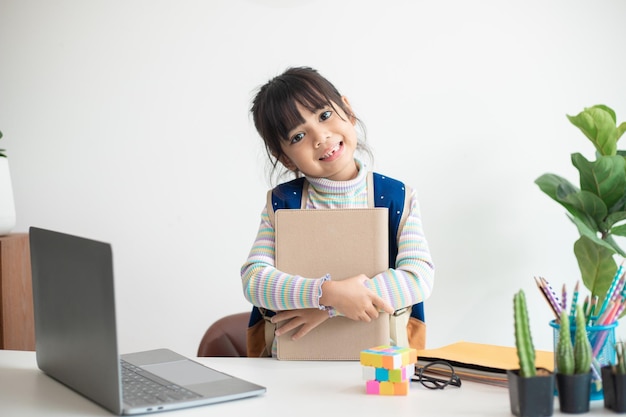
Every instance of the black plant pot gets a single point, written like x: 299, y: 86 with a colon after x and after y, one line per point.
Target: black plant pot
x: 531, y: 397
x: 574, y: 392
x: 614, y: 386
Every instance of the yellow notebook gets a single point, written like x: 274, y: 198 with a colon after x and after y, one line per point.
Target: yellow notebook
x: 482, y: 362
x: 342, y: 243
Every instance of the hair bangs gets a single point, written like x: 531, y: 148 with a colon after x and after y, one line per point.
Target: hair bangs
x: 308, y: 95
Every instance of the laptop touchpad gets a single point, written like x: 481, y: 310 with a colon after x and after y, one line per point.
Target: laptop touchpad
x: 185, y: 372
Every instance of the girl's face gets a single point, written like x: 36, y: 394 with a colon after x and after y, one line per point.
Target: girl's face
x: 324, y: 145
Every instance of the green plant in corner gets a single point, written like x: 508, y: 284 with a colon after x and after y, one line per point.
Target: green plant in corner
x: 573, y: 358
x: 2, y: 154
x: 523, y: 338
x: 598, y: 207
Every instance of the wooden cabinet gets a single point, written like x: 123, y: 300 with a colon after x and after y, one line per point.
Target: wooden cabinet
x: 17, y: 327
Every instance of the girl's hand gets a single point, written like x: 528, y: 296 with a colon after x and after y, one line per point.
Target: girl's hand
x: 353, y: 299
x: 307, y: 319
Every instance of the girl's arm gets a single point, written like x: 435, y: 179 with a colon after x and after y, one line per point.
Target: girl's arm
x: 411, y: 281
x: 265, y: 286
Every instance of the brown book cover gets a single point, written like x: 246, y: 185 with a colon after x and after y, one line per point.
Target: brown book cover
x: 342, y: 243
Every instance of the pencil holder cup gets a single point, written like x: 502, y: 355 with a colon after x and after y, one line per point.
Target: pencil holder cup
x: 602, y: 340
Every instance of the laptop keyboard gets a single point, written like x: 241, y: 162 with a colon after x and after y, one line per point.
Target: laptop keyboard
x: 143, y: 388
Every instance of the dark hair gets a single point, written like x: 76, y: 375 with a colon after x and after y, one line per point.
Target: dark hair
x: 274, y: 108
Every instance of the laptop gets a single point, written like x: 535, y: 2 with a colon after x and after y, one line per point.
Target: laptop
x: 76, y: 338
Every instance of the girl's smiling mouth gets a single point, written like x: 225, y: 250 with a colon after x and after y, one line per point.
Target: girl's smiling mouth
x: 333, y: 153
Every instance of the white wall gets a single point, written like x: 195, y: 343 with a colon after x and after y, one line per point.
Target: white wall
x: 127, y: 121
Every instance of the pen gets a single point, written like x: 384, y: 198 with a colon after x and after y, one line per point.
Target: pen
x: 594, y: 303
x: 554, y: 300
x: 609, y: 293
x: 574, y: 300
x: 606, y: 317
x: 620, y: 310
x: 549, y: 296
x: 619, y: 289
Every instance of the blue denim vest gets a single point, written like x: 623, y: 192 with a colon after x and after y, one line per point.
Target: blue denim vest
x: 388, y: 192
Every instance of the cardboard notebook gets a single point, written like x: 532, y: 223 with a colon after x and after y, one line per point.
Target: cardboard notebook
x: 342, y: 243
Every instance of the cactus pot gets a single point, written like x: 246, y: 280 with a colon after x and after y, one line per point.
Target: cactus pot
x: 602, y: 340
x: 573, y: 392
x: 614, y: 386
x: 533, y: 396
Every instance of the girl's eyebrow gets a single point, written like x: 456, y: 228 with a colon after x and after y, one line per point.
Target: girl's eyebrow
x: 317, y: 108
x: 326, y: 106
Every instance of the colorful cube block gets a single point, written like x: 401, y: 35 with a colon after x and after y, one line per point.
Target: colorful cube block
x: 388, y: 369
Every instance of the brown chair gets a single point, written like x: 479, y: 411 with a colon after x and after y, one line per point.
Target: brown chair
x: 226, y: 337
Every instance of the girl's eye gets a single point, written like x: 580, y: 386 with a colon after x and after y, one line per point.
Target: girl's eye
x: 297, y: 138
x: 325, y: 115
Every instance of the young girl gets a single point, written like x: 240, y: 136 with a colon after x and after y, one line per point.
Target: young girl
x: 309, y: 128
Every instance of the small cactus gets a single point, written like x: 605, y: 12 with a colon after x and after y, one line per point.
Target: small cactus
x: 564, y: 348
x: 620, y: 350
x: 523, y: 338
x: 573, y: 358
x: 582, y: 347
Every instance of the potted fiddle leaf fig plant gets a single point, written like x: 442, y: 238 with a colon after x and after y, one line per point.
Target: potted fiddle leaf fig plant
x: 531, y: 390
x: 597, y: 206
x: 573, y: 362
x: 614, y: 381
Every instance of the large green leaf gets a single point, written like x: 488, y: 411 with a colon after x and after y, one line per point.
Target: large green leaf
x: 619, y: 230
x: 559, y: 188
x: 587, y: 207
x: 596, y: 264
x: 598, y: 125
x: 590, y: 233
x: 614, y: 218
x: 607, y: 109
x: 619, y: 206
x: 620, y: 130
x: 549, y: 183
x: 609, y: 239
x: 605, y: 177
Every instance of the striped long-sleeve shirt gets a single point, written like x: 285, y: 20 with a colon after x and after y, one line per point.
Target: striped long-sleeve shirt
x: 410, y: 282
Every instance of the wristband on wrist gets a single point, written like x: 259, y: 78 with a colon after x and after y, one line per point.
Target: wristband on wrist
x: 324, y: 279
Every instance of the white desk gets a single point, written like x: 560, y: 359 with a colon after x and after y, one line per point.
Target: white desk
x: 293, y: 389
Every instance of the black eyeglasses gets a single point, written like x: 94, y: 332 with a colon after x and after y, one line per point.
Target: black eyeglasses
x: 426, y: 375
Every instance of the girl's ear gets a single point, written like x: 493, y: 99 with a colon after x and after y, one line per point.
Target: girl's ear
x: 350, y: 114
x: 284, y: 159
